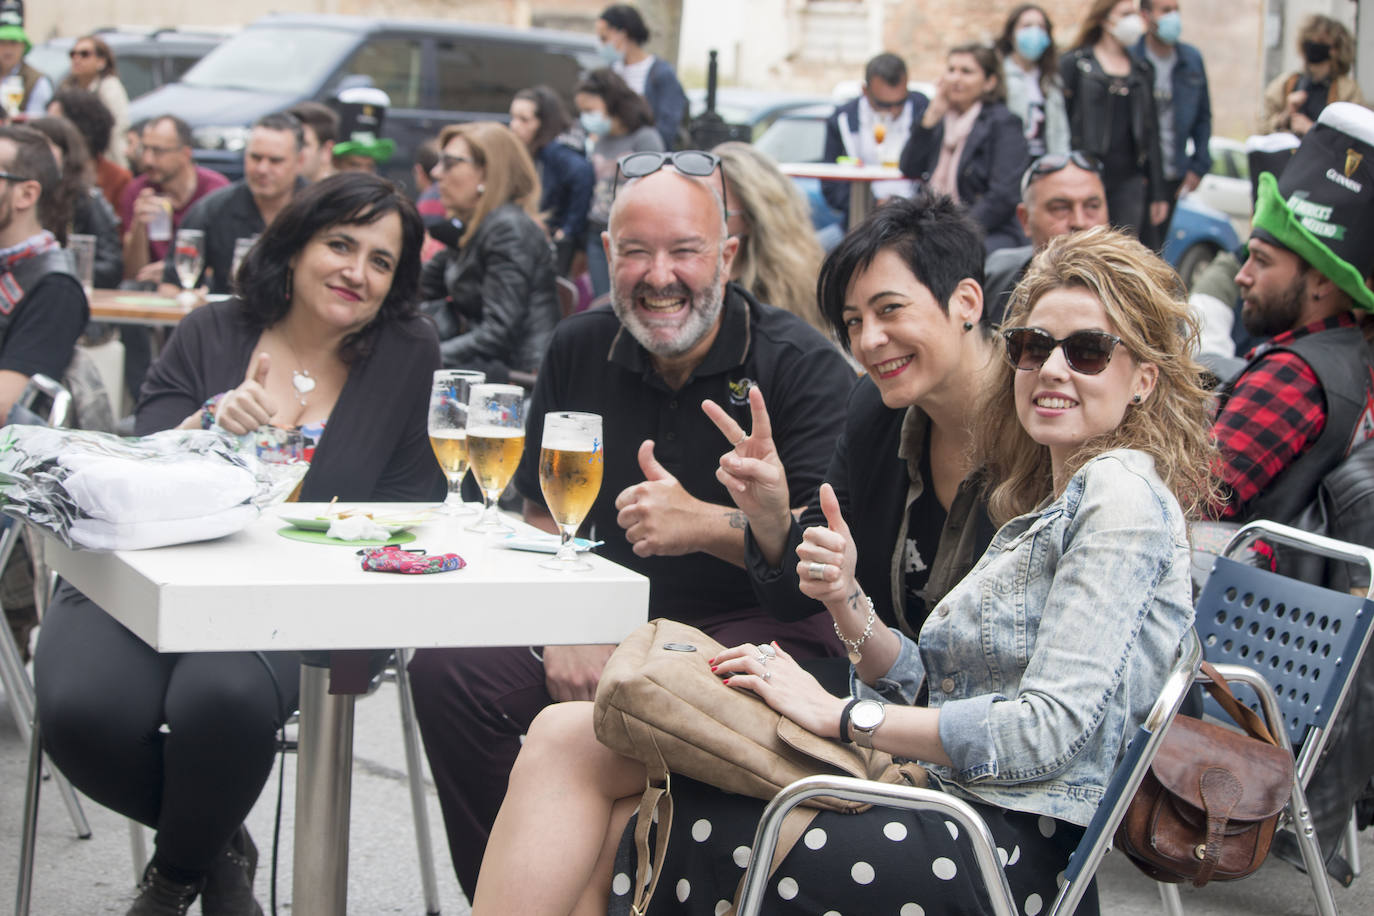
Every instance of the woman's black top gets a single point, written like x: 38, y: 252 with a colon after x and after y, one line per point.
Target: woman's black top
x: 375, y: 446
x: 876, y: 470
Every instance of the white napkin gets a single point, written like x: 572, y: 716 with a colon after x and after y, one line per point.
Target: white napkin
x: 129, y: 491
x: 358, y: 528
x: 96, y: 534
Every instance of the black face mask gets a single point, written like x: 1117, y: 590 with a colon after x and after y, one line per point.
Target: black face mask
x: 1316, y: 52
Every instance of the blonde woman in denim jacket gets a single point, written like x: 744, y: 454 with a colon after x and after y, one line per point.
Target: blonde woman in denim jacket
x: 1027, y: 679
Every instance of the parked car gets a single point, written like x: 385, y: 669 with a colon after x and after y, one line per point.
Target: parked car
x: 756, y: 108
x: 797, y: 134
x: 436, y: 73
x: 1196, y: 233
x: 147, y: 59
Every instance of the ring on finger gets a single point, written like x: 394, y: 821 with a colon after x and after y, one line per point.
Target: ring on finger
x: 816, y: 570
x: 767, y: 675
x: 767, y: 650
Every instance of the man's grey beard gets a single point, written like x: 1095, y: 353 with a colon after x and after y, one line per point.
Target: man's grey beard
x: 705, y: 308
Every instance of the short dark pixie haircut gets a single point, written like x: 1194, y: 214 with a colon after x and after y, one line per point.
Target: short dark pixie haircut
x: 345, y: 199
x: 935, y: 238
x: 626, y: 18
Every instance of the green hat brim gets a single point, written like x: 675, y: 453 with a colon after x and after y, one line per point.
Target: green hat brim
x: 16, y: 33
x: 379, y: 150
x: 1273, y: 215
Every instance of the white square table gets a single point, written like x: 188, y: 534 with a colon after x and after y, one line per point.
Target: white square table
x: 258, y: 591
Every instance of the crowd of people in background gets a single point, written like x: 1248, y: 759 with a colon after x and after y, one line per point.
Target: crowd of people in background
x: 585, y: 251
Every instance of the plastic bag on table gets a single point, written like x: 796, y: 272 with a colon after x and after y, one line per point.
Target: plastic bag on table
x: 99, y: 491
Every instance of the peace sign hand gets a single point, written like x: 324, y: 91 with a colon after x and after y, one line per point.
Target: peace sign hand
x: 753, y: 475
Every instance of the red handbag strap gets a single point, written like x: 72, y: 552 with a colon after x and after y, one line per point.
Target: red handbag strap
x: 1244, y: 716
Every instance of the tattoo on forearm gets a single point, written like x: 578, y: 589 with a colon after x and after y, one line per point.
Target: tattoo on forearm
x: 737, y: 519
x: 853, y: 599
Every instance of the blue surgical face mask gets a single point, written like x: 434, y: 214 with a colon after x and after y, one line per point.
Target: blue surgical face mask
x: 594, y: 122
x: 609, y: 53
x: 1031, y: 42
x: 1168, y: 27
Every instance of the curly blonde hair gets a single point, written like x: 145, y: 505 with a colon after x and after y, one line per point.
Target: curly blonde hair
x: 1147, y: 306
x: 780, y: 262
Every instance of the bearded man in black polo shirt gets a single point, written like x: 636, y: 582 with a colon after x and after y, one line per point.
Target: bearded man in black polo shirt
x: 677, y: 333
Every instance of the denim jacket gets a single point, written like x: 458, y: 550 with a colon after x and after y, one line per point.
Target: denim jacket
x: 1045, y: 659
x: 1192, y: 103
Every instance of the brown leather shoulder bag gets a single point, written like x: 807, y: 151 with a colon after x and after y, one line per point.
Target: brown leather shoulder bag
x: 1208, y: 807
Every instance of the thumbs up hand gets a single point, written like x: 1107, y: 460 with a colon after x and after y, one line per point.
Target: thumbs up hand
x: 245, y: 408
x: 827, y: 556
x: 660, y: 518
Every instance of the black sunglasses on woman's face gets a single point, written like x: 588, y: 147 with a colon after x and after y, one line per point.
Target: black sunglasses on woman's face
x: 1086, y: 352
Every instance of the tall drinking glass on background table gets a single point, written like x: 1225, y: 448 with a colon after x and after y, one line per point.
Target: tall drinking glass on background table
x: 448, y: 434
x: 571, y: 459
x: 496, y: 440
x: 188, y: 257
x: 82, y: 248
x: 242, y: 246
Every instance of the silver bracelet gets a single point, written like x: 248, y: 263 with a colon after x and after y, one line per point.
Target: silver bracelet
x: 855, y: 656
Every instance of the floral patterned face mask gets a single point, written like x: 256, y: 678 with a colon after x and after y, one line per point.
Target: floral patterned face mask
x: 411, y: 562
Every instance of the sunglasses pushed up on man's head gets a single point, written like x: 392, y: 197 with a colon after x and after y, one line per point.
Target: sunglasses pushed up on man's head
x: 694, y: 162
x: 1050, y: 163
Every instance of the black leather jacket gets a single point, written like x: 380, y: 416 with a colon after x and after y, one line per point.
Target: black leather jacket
x: 1086, y: 87
x: 495, y: 299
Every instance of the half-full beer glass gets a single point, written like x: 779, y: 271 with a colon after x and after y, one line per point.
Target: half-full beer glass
x: 448, y: 430
x: 570, y: 465
x: 496, y: 440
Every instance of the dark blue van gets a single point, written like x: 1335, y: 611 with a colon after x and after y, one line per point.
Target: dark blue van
x: 435, y: 72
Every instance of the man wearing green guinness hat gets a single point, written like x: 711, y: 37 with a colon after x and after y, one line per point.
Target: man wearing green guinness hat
x: 361, y: 146
x: 1305, y: 398
x: 23, y: 88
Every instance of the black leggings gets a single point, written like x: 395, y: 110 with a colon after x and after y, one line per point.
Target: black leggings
x: 103, y: 699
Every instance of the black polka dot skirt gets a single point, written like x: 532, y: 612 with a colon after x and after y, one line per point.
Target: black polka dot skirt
x: 883, y: 861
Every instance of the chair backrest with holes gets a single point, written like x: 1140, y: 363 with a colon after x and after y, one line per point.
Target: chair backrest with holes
x: 1304, y: 639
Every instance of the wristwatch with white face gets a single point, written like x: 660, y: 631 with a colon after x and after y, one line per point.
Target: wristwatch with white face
x: 864, y: 720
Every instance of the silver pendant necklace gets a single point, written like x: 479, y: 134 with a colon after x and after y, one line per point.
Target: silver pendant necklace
x: 301, y: 379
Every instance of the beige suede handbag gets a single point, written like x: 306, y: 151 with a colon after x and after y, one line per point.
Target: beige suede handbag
x: 658, y: 702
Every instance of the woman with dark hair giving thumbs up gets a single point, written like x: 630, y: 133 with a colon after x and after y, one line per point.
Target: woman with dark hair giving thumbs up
x: 321, y: 337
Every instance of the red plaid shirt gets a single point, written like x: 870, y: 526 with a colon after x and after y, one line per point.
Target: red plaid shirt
x: 1275, y: 412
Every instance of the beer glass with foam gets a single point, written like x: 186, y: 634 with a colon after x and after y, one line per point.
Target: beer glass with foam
x: 496, y: 440
x: 570, y: 466
x: 448, y: 433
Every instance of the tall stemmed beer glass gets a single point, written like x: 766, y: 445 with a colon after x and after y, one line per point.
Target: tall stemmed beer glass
x: 570, y: 465
x: 496, y: 440
x: 448, y: 432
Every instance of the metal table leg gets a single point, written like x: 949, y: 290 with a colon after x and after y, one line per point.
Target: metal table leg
x: 860, y: 201
x: 324, y: 784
